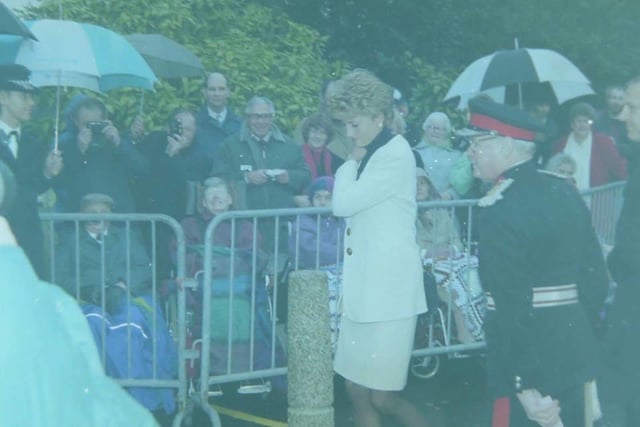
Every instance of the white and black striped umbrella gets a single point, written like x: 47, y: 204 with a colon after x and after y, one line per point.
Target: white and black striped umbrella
x: 508, y: 67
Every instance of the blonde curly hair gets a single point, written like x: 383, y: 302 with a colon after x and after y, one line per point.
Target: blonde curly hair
x: 360, y: 93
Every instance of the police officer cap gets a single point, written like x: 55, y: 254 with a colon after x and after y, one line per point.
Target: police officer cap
x: 489, y: 117
x: 15, y: 77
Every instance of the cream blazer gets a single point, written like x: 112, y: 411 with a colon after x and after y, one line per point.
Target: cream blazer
x: 382, y: 278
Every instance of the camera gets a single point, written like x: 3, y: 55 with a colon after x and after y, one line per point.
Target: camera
x: 273, y: 174
x: 97, y: 127
x: 98, y: 140
x: 175, y: 127
x: 461, y: 143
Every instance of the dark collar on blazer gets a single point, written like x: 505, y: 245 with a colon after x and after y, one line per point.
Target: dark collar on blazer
x: 381, y: 139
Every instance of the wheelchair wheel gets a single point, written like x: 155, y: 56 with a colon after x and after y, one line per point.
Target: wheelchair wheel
x: 425, y: 367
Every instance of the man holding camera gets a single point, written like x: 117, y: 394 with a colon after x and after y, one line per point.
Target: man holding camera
x: 97, y: 159
x: 169, y: 184
x: 169, y: 166
x: 27, y: 158
x: 266, y: 167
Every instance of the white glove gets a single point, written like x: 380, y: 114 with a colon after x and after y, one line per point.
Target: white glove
x: 543, y: 410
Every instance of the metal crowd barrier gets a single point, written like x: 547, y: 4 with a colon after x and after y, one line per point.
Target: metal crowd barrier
x: 72, y: 225
x: 259, y: 362
x: 604, y: 202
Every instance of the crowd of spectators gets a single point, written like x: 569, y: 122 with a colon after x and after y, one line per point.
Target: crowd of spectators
x: 209, y: 161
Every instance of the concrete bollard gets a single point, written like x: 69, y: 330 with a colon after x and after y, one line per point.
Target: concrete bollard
x: 310, y: 374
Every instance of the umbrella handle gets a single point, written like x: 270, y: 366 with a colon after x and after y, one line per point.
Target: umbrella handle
x: 57, y: 123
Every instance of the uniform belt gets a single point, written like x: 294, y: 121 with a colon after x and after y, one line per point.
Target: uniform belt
x: 546, y: 296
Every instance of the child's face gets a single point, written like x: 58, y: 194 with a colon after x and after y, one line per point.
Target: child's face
x: 321, y: 199
x: 422, y: 190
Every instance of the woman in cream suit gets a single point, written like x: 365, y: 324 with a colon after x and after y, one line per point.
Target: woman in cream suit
x: 375, y: 189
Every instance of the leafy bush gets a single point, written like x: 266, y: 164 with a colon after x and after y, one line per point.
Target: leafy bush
x: 429, y: 85
x: 260, y: 52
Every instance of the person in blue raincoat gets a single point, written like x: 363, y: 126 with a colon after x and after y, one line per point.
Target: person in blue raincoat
x: 125, y: 336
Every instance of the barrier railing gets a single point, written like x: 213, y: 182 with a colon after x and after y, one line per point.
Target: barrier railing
x: 458, y: 260
x: 240, y: 326
x: 69, y: 266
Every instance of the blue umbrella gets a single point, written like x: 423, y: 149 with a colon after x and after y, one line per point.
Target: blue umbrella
x: 77, y: 55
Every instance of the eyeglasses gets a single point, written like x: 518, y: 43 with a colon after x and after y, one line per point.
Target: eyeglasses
x: 438, y: 128
x: 265, y: 116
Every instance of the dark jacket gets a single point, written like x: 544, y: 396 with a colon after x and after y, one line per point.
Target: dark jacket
x: 209, y: 138
x: 241, y: 153
x: 23, y: 218
x: 623, y: 259
x: 103, y: 168
x: 162, y: 189
x: 539, y: 235
x: 622, y: 378
x: 90, y: 267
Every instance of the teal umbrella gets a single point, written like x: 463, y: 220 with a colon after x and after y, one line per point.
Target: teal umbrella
x: 78, y: 55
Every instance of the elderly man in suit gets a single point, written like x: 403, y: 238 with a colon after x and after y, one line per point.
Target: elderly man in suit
x: 265, y: 167
x: 545, y: 277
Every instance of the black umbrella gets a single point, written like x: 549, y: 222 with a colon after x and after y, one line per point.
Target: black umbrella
x: 167, y: 58
x: 492, y: 74
x: 11, y: 24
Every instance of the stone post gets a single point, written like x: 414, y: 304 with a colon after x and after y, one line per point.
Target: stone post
x: 310, y: 373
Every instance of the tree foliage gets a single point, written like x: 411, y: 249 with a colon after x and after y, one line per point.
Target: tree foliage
x: 597, y: 35
x: 261, y: 52
x: 284, y: 49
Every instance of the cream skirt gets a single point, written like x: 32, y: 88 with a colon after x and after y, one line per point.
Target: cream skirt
x: 375, y: 355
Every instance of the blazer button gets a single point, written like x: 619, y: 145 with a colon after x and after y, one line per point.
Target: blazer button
x: 349, y: 251
x: 348, y: 231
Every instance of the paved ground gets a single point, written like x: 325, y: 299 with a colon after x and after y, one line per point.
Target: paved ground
x: 455, y: 397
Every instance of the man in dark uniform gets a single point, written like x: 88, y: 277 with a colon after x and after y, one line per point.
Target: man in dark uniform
x: 544, y: 273
x: 29, y: 160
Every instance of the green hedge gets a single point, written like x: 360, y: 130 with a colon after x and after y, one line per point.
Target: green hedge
x: 261, y: 52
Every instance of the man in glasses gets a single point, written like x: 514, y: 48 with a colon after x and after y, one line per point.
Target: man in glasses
x: 544, y: 274
x: 265, y: 166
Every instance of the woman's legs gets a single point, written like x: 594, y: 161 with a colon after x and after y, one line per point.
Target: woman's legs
x: 369, y: 405
x: 390, y: 403
x: 364, y: 412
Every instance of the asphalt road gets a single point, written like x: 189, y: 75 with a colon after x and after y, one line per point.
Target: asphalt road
x: 454, y: 397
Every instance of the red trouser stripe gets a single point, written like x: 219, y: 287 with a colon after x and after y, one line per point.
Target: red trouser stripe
x: 501, y: 412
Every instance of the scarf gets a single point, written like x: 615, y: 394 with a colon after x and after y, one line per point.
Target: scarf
x: 313, y: 160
